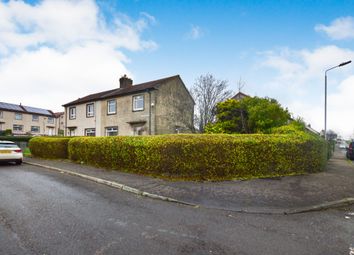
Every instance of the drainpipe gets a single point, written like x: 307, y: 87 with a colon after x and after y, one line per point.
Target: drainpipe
x: 149, y: 112
x: 65, y: 123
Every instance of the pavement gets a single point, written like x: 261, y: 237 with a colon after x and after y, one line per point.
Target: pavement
x: 333, y: 187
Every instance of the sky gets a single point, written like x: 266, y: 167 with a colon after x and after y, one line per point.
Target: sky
x: 53, y: 52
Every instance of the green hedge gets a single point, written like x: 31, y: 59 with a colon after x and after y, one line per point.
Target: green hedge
x: 16, y: 138
x: 204, y: 157
x: 49, y: 147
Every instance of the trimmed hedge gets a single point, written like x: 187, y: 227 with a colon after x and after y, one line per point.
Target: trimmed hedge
x: 204, y: 157
x: 16, y: 138
x: 49, y: 147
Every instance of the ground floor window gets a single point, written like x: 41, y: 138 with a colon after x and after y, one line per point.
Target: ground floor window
x: 90, y: 132
x: 17, y: 127
x: 35, y: 129
x: 111, y: 131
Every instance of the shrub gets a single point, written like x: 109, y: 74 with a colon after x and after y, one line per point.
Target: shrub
x: 16, y: 138
x: 49, y: 147
x: 204, y: 157
x: 331, y: 144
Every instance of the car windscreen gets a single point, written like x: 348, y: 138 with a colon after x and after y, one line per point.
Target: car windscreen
x: 8, y: 145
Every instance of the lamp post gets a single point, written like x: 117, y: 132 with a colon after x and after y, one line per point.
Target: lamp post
x: 340, y: 65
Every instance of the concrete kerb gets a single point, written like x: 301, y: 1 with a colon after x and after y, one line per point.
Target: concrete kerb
x: 114, y: 185
x: 320, y: 207
x: 324, y: 206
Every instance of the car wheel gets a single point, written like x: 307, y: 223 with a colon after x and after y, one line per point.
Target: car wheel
x: 18, y: 162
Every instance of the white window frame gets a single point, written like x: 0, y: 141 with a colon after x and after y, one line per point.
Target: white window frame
x: 35, y: 117
x: 111, y: 130
x: 136, y: 100
x: 90, y: 110
x: 38, y: 131
x: 72, y: 113
x: 17, y: 127
x: 18, y: 116
x: 90, y: 131
x: 50, y: 120
x: 109, y: 105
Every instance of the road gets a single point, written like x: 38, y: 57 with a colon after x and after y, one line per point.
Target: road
x: 44, y: 212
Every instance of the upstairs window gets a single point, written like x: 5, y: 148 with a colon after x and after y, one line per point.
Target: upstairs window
x: 1, y: 115
x: 111, y: 107
x: 18, y: 116
x: 50, y: 120
x: 89, y: 110
x: 72, y: 113
x: 138, y: 103
x: 35, y: 118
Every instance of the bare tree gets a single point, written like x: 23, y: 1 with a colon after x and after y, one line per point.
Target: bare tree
x: 207, y: 91
x: 240, y: 84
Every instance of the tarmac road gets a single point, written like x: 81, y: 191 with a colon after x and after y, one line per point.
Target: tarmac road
x: 43, y: 212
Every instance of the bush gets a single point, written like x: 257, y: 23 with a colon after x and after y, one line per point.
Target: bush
x: 49, y: 147
x: 16, y: 138
x: 5, y: 132
x: 331, y: 144
x: 204, y: 157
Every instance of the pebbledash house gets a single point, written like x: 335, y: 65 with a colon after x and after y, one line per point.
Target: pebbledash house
x: 162, y: 106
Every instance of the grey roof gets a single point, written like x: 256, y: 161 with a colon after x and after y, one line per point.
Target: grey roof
x: 25, y: 109
x: 124, y: 91
x: 37, y: 110
x: 11, y: 107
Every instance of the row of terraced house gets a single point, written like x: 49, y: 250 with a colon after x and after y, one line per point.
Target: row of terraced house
x: 27, y: 120
x: 161, y: 106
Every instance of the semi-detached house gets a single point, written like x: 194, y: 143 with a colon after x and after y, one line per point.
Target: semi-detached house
x: 22, y: 120
x: 162, y: 106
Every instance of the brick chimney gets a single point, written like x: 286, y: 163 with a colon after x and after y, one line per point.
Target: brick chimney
x: 125, y: 82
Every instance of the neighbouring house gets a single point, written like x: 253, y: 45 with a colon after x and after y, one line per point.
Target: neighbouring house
x: 26, y: 120
x: 311, y: 130
x: 162, y: 106
x: 59, y: 123
x: 239, y: 96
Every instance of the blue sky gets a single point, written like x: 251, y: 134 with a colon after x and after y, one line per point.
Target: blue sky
x: 57, y: 51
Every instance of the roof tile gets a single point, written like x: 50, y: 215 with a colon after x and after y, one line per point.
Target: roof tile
x: 121, y: 92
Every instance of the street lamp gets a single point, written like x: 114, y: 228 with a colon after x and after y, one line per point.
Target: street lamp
x: 340, y: 65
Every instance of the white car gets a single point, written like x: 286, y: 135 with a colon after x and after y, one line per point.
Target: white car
x: 10, y: 152
x: 343, y: 146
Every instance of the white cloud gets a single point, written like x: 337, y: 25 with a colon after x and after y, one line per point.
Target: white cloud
x: 339, y: 29
x: 195, y: 32
x: 56, y: 51
x: 299, y: 82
